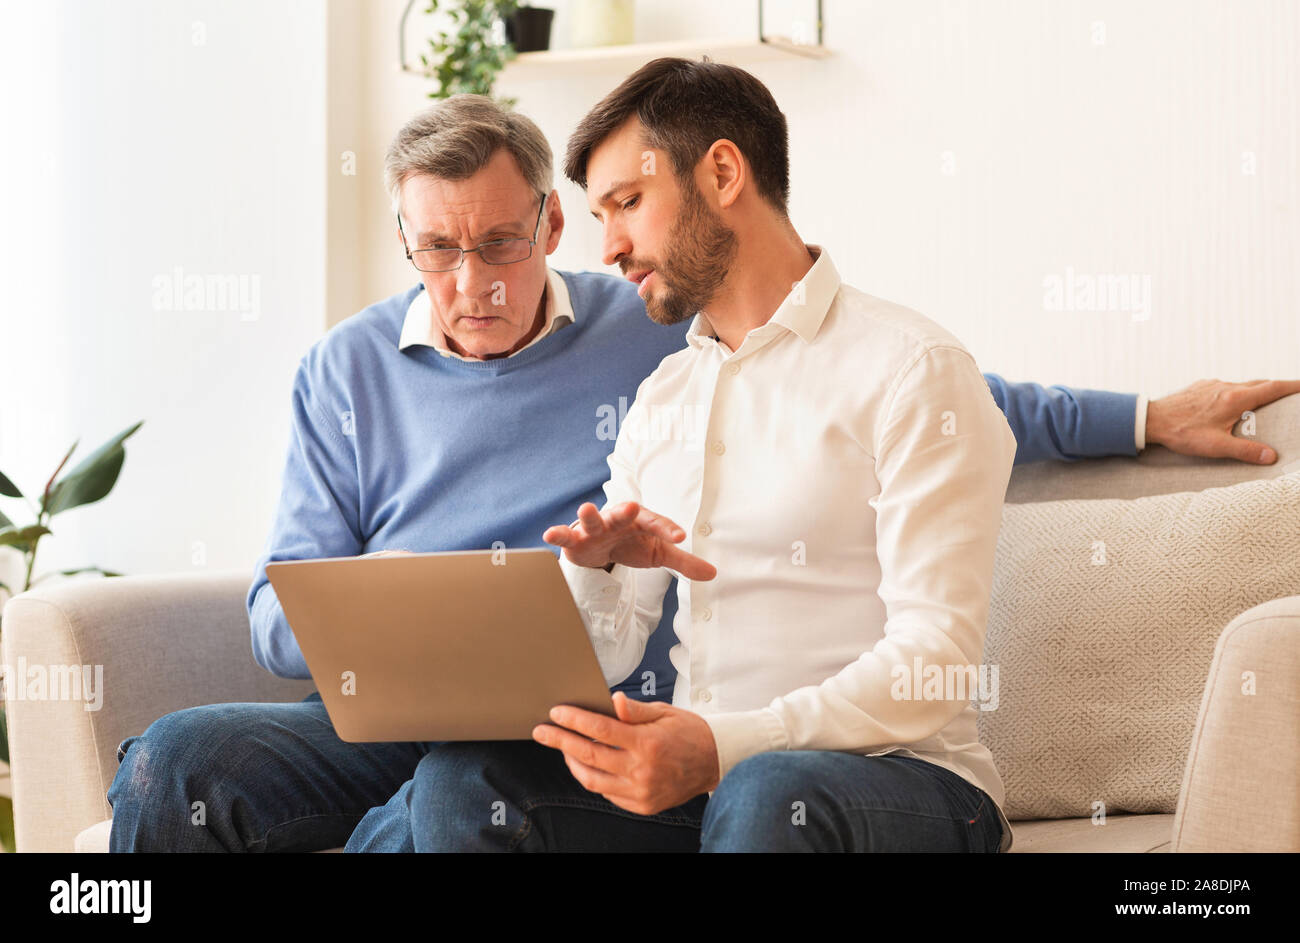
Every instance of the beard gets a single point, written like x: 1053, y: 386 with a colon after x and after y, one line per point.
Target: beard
x: 703, y: 250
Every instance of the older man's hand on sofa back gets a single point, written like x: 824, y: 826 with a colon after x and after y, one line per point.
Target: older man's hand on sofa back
x: 1199, y: 420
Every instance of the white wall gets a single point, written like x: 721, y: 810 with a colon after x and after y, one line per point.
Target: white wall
x: 953, y: 155
x: 1106, y: 157
x: 148, y: 135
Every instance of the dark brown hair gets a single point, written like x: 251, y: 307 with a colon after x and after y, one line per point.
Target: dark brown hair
x: 684, y: 107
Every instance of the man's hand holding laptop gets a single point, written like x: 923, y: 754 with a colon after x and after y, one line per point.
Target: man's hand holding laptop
x: 654, y: 756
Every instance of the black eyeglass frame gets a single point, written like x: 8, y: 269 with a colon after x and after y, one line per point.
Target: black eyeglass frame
x: 479, y: 248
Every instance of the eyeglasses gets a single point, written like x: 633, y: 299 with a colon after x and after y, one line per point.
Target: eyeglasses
x: 496, y: 252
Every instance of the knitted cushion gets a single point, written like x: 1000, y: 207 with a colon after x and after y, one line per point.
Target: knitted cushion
x: 1102, y: 625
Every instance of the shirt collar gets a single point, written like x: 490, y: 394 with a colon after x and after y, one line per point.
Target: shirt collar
x: 802, y: 311
x: 419, y: 328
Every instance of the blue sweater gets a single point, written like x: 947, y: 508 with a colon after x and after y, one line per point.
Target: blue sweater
x: 1065, y: 424
x: 412, y: 450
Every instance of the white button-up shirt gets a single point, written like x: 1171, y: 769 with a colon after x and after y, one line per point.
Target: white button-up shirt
x: 418, y: 327
x: 844, y: 470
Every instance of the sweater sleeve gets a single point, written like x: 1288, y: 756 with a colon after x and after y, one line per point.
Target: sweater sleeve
x: 317, y: 516
x: 1066, y: 424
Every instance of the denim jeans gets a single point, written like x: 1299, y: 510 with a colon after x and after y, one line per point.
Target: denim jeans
x: 520, y: 796
x: 276, y: 777
x: 254, y: 777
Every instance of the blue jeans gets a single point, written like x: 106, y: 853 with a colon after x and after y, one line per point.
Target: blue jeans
x: 520, y: 796
x: 254, y: 777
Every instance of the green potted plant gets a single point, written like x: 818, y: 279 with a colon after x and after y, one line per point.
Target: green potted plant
x: 467, y: 57
x: 90, y: 481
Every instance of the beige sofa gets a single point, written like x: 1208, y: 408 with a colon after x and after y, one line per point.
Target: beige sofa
x: 170, y: 642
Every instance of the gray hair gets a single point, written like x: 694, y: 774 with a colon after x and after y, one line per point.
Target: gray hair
x: 456, y: 137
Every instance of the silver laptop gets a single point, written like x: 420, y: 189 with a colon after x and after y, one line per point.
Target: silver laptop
x: 466, y: 645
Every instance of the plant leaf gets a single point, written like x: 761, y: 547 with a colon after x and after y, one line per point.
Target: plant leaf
x: 74, y: 572
x: 94, y: 477
x: 45, y: 495
x: 15, y: 536
x: 5, y: 522
x: 8, y: 488
x: 7, y: 824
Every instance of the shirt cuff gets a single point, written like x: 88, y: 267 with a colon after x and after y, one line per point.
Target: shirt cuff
x: 597, y: 595
x: 741, y: 734
x: 1140, y: 424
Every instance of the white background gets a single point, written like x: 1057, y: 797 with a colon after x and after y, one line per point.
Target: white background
x: 130, y: 148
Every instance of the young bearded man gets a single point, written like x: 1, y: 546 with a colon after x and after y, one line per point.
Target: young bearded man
x: 837, y: 527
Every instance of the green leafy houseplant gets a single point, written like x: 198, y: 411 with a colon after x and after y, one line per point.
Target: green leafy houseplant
x: 90, y: 481
x: 467, y: 58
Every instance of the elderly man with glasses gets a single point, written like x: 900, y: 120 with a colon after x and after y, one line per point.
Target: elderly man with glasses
x: 473, y: 410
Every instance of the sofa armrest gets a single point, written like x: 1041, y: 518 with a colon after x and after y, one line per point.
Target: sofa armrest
x: 162, y: 643
x: 1241, y: 786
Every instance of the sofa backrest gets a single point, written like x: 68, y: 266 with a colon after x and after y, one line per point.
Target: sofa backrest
x: 1113, y: 581
x: 1156, y: 470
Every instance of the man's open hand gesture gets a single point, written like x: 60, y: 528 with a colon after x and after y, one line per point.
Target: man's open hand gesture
x: 627, y: 534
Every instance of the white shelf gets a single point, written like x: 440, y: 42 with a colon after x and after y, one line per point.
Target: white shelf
x: 630, y: 56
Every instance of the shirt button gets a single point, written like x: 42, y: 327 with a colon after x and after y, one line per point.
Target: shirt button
x: 706, y: 615
x: 705, y: 530
x: 718, y: 447
x: 733, y: 368
x: 706, y: 696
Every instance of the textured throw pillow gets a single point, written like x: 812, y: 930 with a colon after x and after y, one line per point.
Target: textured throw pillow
x: 1103, y: 622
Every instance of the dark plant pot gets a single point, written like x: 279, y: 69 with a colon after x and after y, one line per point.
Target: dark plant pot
x: 528, y: 29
